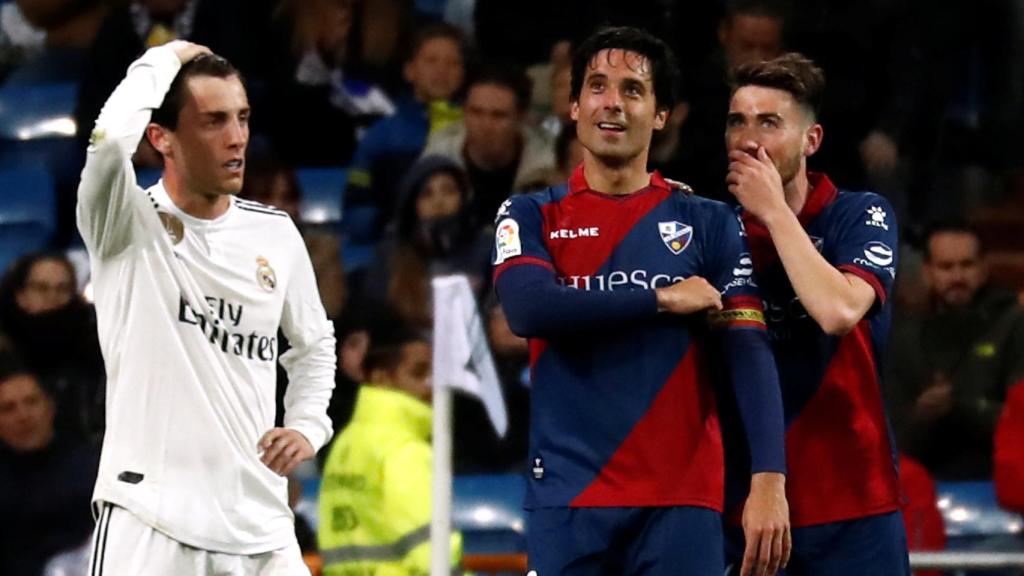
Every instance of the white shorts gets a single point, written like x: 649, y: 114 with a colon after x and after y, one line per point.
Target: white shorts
x: 123, y: 545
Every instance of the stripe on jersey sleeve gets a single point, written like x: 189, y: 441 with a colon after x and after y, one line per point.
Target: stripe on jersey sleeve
x: 738, y: 312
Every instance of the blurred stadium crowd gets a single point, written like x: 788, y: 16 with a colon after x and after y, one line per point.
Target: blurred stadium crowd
x: 392, y: 130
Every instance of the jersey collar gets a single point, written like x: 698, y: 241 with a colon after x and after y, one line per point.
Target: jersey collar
x: 823, y: 192
x: 578, y: 183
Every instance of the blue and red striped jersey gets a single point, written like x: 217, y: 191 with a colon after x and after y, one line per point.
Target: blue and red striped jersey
x: 839, y: 448
x: 623, y: 411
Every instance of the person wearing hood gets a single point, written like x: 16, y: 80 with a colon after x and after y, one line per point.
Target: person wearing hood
x: 954, y: 365
x: 434, y: 233
x: 53, y: 332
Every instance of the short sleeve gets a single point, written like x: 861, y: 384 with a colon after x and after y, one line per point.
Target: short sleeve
x: 866, y: 241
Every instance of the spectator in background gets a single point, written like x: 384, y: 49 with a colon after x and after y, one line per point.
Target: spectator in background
x: 434, y: 234
x: 376, y: 487
x: 45, y: 479
x: 53, y: 331
x: 19, y: 40
x: 310, y: 80
x: 493, y: 142
x: 953, y: 364
x: 749, y: 31
x: 551, y: 80
x: 434, y: 70
x: 568, y: 155
x: 47, y: 40
x: 353, y: 332
x: 235, y: 29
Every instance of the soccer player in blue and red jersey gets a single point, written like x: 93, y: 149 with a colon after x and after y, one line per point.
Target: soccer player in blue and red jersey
x: 825, y: 260
x: 610, y: 277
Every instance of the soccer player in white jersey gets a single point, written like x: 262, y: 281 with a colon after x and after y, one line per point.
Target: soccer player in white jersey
x: 191, y: 287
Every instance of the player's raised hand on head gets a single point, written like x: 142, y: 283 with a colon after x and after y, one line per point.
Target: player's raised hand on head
x: 186, y: 51
x: 766, y: 526
x: 756, y: 183
x: 688, y: 296
x: 282, y: 449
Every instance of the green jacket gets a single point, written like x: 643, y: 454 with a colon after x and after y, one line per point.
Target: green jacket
x: 980, y: 350
x: 376, y: 490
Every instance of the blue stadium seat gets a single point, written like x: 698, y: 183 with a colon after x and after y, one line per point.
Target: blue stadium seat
x: 488, y: 509
x: 37, y: 127
x: 360, y: 224
x: 355, y: 256
x: 33, y: 112
x: 971, y: 513
x: 20, y: 238
x: 27, y: 196
x: 27, y: 212
x: 322, y: 189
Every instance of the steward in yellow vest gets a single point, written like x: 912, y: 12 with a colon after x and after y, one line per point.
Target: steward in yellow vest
x: 376, y: 489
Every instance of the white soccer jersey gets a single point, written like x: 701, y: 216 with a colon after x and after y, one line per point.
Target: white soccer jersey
x: 188, y: 313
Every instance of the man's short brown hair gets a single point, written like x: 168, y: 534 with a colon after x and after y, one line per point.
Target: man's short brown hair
x: 792, y: 72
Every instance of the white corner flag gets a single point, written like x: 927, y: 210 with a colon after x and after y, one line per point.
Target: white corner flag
x: 462, y: 358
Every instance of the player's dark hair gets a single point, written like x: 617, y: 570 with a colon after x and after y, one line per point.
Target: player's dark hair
x: 388, y: 334
x: 664, y: 70
x: 507, y: 76
x: 203, y: 65
x: 792, y: 72
x: 432, y: 31
x: 950, y: 226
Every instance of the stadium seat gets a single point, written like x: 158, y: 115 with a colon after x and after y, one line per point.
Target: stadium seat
x: 488, y: 509
x: 37, y: 128
x: 322, y: 189
x: 27, y: 195
x: 27, y: 212
x: 355, y: 256
x: 33, y: 112
x: 18, y: 239
x: 970, y: 512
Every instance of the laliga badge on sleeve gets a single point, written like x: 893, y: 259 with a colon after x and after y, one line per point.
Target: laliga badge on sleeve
x: 506, y: 241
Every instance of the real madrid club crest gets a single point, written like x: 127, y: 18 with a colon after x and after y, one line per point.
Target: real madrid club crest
x: 265, y: 274
x: 675, y: 235
x: 175, y: 229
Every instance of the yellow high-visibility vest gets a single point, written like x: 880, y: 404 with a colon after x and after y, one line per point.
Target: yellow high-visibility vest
x: 375, y: 493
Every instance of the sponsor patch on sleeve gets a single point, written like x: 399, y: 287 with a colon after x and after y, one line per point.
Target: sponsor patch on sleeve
x: 878, y: 253
x: 507, y: 243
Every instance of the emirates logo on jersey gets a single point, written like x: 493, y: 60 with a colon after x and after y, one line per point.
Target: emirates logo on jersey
x: 265, y: 275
